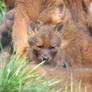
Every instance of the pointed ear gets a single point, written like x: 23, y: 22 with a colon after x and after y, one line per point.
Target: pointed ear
x: 60, y: 9
x: 60, y: 28
x: 31, y: 28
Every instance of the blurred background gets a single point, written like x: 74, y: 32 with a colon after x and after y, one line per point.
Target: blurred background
x: 2, y: 10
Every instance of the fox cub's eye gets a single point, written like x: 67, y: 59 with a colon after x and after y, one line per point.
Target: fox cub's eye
x: 39, y: 46
x: 52, y: 47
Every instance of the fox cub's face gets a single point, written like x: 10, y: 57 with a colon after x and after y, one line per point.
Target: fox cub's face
x: 44, y: 41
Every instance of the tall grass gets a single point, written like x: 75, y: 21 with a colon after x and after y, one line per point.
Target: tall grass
x: 2, y: 11
x: 16, y: 76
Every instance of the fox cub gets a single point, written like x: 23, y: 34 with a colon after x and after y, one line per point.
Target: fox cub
x: 45, y: 43
x: 59, y: 45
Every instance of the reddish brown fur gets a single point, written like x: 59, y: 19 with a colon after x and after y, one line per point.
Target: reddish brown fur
x: 77, y: 49
x: 49, y: 40
x: 23, y: 17
x: 80, y: 11
x: 76, y: 6
x: 76, y: 45
x: 52, y: 15
x: 26, y: 10
x: 90, y: 15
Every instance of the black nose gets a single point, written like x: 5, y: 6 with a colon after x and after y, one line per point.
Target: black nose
x: 45, y: 58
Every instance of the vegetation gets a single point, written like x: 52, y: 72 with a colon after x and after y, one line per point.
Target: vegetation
x: 15, y: 75
x: 2, y: 11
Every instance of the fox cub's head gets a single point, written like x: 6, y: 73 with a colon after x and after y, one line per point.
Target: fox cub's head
x: 44, y: 41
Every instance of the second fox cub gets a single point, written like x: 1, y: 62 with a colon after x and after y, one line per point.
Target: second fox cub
x: 60, y: 13
x: 60, y: 44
